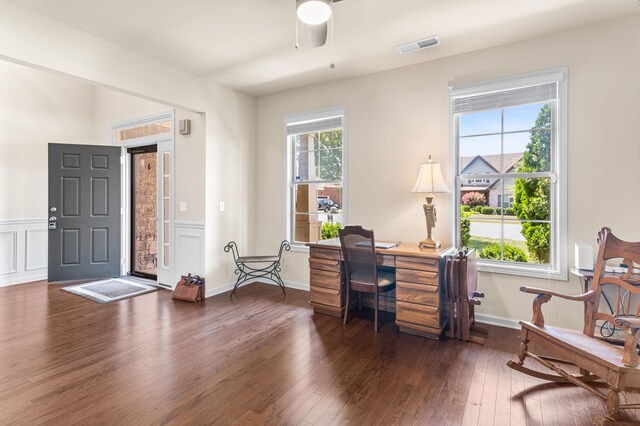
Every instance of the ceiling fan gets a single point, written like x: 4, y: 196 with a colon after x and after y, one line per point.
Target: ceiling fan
x: 315, y: 15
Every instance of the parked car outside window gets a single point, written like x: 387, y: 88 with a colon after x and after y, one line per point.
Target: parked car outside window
x: 325, y: 204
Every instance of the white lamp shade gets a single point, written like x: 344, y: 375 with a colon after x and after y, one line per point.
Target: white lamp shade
x: 430, y: 179
x: 313, y: 12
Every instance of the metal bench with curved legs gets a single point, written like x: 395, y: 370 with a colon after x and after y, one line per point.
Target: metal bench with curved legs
x: 263, y: 267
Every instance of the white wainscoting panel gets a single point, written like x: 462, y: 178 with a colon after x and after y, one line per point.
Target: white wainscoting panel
x: 36, y: 248
x: 8, y: 252
x: 189, y: 249
x: 23, y: 250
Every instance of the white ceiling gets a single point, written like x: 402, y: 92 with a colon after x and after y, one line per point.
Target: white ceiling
x: 249, y: 44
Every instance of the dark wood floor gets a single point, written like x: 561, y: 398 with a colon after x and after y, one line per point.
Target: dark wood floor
x: 259, y: 359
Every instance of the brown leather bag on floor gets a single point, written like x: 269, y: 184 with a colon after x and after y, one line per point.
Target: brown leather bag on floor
x: 189, y: 289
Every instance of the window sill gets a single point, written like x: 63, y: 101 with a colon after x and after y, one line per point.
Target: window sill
x: 300, y: 248
x: 524, y: 271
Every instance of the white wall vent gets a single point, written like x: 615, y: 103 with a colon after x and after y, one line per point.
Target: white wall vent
x: 418, y: 45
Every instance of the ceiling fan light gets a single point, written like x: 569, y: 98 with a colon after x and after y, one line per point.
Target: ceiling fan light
x: 313, y: 12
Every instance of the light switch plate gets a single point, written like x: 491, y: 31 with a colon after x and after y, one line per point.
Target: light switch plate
x: 221, y: 206
x: 183, y: 206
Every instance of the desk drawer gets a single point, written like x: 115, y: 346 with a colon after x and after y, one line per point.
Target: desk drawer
x: 326, y: 296
x: 324, y: 264
x: 386, y: 260
x: 324, y: 253
x: 418, y: 293
x: 419, y: 263
x: 419, y: 277
x: 418, y: 314
x: 327, y: 279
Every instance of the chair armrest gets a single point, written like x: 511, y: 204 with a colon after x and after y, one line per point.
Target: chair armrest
x: 540, y: 291
x: 632, y: 334
x: 627, y: 322
x: 543, y: 296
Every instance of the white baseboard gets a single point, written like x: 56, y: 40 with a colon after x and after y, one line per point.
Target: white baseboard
x: 228, y: 287
x: 481, y: 318
x: 499, y: 321
x: 218, y: 290
x: 24, y: 279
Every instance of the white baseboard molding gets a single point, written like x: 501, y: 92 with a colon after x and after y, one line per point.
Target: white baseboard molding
x: 499, y: 321
x: 228, y: 287
x: 218, y: 290
x: 24, y: 279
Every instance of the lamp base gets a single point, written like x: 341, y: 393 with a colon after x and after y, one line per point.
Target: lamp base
x: 429, y: 243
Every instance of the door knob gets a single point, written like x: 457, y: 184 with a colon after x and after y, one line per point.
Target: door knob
x: 53, y: 209
x: 53, y: 219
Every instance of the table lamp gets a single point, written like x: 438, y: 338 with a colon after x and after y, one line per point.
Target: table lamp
x: 430, y: 181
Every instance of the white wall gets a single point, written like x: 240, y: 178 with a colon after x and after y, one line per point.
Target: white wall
x: 38, y: 41
x: 37, y: 108
x: 397, y: 118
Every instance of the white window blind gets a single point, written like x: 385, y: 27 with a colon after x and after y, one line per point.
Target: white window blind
x: 505, y: 98
x: 312, y: 126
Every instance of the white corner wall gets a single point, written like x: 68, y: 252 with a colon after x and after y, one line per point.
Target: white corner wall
x: 37, y: 108
x: 397, y: 118
x: 37, y: 41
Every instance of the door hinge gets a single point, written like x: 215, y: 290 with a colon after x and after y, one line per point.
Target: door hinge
x: 122, y: 159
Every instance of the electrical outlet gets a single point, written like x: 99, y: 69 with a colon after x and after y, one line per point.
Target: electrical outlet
x: 221, y: 206
x: 183, y: 206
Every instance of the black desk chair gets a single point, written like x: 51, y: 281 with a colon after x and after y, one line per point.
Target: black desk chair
x: 362, y: 273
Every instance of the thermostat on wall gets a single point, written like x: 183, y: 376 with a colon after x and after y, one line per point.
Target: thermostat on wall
x: 184, y: 127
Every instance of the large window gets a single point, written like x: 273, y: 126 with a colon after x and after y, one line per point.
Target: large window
x: 315, y: 150
x: 510, y: 161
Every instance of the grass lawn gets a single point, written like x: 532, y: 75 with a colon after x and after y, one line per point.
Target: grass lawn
x: 481, y: 242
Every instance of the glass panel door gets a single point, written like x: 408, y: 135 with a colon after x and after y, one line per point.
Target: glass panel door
x: 144, y: 211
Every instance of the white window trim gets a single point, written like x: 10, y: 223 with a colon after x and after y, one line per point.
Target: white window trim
x: 558, y: 192
x: 288, y: 177
x: 165, y: 143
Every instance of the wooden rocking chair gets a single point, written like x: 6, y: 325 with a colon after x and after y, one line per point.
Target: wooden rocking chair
x: 615, y: 365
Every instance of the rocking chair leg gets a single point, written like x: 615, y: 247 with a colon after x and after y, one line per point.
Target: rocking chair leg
x: 522, y: 349
x: 613, y: 402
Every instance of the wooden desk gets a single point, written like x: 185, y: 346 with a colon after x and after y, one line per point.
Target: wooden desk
x: 418, y: 299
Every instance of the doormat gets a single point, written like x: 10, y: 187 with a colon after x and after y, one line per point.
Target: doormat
x: 111, y: 290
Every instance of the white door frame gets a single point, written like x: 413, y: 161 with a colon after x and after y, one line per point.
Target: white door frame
x: 166, y: 144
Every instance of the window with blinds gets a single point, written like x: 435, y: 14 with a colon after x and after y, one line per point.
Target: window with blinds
x: 509, y: 141
x: 316, y: 175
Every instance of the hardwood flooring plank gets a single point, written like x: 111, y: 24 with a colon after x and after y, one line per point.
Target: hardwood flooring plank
x: 259, y: 359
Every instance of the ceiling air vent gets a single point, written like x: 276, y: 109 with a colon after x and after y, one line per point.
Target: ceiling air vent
x: 418, y: 45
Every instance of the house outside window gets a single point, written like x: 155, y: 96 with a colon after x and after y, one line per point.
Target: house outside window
x: 316, y: 176
x: 510, y: 163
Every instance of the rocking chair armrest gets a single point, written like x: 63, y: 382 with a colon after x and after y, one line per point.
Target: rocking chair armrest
x: 632, y: 324
x: 540, y: 291
x: 543, y: 296
x: 627, y: 322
